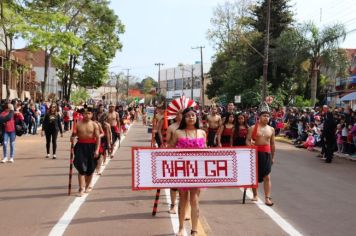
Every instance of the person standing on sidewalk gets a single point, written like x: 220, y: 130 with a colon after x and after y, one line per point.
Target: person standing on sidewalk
x: 51, y: 125
x: 7, y: 117
x: 86, y: 150
x: 188, y: 135
x: 328, y: 134
x: 261, y: 135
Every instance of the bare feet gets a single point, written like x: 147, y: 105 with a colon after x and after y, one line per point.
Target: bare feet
x: 81, y: 192
x: 254, y: 199
x: 180, y: 232
x: 88, y: 189
x: 173, y: 210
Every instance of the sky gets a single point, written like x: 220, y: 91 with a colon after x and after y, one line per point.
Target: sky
x: 164, y: 31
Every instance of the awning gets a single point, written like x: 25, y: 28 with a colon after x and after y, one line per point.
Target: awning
x: 349, y: 97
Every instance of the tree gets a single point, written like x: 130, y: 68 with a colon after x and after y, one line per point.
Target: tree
x: 238, y: 66
x: 281, y: 19
x: 99, y: 28
x: 12, y: 26
x: 148, y: 84
x: 322, y: 46
x: 227, y: 23
x: 80, y: 96
x: 50, y: 30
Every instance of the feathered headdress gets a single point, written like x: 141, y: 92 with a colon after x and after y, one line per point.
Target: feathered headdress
x: 264, y: 106
x: 179, y: 104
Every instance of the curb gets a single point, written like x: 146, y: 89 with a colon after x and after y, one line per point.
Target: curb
x: 318, y: 149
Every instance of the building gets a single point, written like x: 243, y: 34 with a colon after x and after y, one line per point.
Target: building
x: 344, y: 86
x: 184, y: 80
x: 53, y: 86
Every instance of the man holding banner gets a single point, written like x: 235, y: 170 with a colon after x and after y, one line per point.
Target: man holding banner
x: 261, y: 135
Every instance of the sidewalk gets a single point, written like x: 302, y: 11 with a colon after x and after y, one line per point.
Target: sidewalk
x: 317, y: 149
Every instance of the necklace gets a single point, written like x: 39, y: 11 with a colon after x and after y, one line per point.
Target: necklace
x: 263, y: 131
x: 189, y: 136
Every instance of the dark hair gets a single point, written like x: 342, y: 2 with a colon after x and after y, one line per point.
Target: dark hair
x: 183, y: 124
x: 237, y: 125
x: 227, y: 117
x: 5, y: 106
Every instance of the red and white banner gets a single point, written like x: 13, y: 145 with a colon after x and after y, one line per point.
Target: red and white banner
x: 183, y: 168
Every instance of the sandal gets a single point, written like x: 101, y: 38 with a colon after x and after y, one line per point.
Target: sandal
x: 269, y: 204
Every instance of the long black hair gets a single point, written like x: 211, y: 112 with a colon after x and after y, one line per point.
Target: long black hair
x: 183, y: 124
x: 227, y: 118
x: 237, y: 124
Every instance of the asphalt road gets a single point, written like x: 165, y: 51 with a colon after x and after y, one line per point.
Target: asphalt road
x: 314, y: 197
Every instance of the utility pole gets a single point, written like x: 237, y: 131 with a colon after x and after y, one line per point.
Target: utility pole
x: 128, y: 76
x: 265, y: 58
x: 202, y: 93
x: 159, y: 64
x: 192, y: 88
x: 182, y: 68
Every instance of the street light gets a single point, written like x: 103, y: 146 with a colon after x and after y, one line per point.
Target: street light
x: 159, y: 64
x: 202, y: 75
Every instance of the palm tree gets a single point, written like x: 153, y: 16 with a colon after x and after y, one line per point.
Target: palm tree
x: 321, y: 45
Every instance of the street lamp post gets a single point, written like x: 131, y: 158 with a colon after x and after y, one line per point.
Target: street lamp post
x: 159, y: 64
x: 192, y: 88
x: 202, y: 75
x: 182, y: 69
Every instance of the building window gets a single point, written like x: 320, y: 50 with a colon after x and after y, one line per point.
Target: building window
x: 179, y: 84
x: 170, y: 85
x: 196, y: 83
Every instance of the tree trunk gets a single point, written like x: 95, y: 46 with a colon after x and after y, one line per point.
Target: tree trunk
x: 45, y: 78
x: 71, y: 74
x: 313, y: 83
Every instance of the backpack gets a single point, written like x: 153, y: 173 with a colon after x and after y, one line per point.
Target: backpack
x: 20, y: 127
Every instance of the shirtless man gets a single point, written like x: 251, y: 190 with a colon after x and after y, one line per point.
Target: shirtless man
x: 86, y: 150
x: 214, y: 122
x: 262, y: 136
x: 114, y: 121
x: 100, y: 112
x: 158, y: 125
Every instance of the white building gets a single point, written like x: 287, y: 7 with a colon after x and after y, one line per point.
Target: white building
x: 53, y: 86
x: 177, y: 81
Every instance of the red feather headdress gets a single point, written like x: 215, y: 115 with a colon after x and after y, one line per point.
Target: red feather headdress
x: 179, y: 104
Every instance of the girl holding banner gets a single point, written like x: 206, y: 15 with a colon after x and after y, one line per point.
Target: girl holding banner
x: 188, y: 135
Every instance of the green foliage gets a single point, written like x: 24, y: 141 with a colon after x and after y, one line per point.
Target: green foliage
x: 295, y: 50
x: 301, y: 102
x: 79, y: 96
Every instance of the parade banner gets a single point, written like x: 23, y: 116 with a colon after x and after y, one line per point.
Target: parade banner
x: 183, y: 168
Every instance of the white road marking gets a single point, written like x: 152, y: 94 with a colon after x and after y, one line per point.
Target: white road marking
x: 287, y: 227
x: 174, y: 217
x: 64, y: 221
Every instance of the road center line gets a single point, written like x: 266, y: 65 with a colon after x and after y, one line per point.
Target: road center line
x: 287, y: 227
x: 64, y: 221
